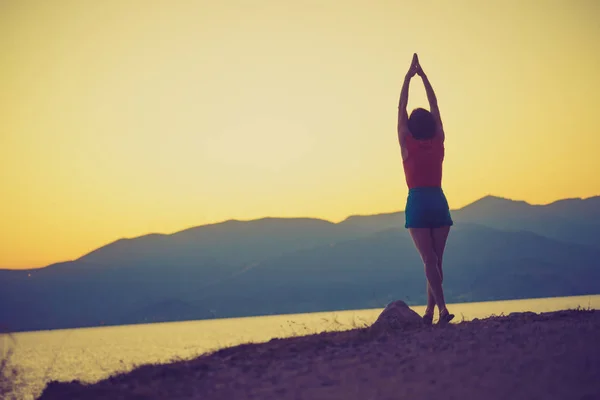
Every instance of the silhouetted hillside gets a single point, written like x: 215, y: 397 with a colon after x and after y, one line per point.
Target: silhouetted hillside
x: 571, y: 220
x: 481, y: 264
x: 231, y: 242
x: 563, y: 220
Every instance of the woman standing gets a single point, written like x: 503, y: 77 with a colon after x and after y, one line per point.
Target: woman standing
x: 427, y: 213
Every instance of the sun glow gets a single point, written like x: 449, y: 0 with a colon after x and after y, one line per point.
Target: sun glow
x: 121, y: 118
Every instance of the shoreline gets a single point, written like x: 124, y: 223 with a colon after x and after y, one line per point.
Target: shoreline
x: 494, y: 303
x: 553, y: 355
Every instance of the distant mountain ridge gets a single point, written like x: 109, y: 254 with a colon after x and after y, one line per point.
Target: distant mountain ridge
x: 498, y: 249
x: 492, y: 211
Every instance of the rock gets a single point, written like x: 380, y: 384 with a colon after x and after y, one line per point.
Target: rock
x: 522, y: 314
x: 397, y: 316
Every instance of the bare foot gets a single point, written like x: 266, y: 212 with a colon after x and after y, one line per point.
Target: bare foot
x: 428, y: 317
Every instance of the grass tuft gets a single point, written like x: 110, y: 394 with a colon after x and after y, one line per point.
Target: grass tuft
x: 10, y: 375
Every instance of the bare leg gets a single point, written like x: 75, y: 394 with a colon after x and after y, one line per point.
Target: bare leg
x: 423, y: 240
x: 430, y: 301
x: 439, y: 237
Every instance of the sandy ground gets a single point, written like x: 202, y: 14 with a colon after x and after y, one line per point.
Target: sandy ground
x: 527, y: 356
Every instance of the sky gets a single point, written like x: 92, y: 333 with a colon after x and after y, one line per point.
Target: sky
x: 121, y: 118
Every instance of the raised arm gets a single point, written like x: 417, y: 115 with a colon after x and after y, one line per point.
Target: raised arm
x: 403, y: 103
x: 433, y: 104
x: 402, y: 113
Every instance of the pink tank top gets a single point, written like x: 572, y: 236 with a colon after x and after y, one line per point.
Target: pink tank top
x: 423, y: 164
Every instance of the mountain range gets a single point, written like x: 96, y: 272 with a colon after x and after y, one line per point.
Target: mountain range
x: 498, y: 249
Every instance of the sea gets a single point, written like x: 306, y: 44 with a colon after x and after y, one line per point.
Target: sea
x: 92, y: 354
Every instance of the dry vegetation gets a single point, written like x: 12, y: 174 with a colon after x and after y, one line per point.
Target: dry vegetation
x: 9, y: 374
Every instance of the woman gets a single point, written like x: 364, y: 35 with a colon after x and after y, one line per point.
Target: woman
x: 428, y: 218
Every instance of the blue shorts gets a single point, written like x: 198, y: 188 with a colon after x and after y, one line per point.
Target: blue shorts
x: 427, y: 207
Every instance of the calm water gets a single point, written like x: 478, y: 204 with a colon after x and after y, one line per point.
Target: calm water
x: 91, y: 354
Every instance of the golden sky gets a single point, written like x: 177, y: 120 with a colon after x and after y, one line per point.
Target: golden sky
x: 120, y: 118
